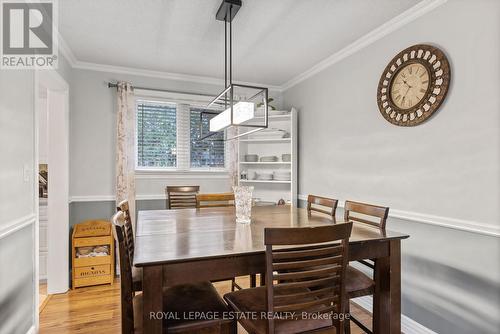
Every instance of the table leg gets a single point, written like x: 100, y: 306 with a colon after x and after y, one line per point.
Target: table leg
x: 387, y: 296
x: 152, y: 282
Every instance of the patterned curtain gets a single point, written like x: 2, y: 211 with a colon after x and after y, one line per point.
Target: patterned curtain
x: 125, y: 146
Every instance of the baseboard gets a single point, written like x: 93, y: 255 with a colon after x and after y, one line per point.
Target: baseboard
x: 408, y: 325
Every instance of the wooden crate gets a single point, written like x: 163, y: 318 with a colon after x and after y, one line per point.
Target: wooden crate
x: 95, y: 270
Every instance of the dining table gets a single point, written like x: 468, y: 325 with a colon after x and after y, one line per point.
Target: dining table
x: 192, y: 245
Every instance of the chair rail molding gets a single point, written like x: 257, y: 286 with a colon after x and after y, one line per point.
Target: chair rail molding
x: 17, y: 224
x: 111, y: 198
x: 453, y: 223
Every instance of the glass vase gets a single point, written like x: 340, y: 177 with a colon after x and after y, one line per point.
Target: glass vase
x: 243, y: 203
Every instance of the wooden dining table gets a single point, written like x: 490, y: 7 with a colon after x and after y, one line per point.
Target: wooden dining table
x: 193, y: 245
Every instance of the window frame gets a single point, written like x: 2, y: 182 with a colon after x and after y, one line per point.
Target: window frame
x: 199, y: 171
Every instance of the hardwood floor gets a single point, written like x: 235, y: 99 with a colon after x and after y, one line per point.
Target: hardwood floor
x: 97, y: 310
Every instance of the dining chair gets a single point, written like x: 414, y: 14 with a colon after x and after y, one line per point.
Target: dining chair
x: 306, y: 270
x: 359, y: 284
x: 220, y: 200
x: 214, y: 200
x: 321, y: 204
x: 130, y: 241
x: 180, y: 300
x: 181, y: 197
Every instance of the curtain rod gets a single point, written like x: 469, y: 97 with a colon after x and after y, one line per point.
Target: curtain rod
x: 115, y: 85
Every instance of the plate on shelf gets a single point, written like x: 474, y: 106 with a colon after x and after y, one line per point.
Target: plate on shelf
x: 264, y: 176
x: 270, y: 133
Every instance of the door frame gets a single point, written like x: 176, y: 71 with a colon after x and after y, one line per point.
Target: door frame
x: 58, y: 201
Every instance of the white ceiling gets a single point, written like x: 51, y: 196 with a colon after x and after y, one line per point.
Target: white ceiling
x: 274, y: 40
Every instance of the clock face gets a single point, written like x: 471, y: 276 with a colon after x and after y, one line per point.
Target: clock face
x: 413, y: 85
x: 409, y: 86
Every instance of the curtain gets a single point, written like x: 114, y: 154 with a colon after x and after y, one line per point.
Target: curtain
x: 125, y: 146
x: 232, y: 156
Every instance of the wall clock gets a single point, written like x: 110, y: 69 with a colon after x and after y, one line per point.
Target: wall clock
x: 413, y: 85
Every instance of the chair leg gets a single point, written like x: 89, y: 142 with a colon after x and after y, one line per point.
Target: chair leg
x: 347, y: 321
x: 253, y: 280
x: 234, y: 327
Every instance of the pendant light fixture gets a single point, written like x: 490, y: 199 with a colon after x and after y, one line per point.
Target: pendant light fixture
x: 237, y: 105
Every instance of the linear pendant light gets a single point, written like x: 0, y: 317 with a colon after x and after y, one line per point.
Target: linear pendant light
x: 238, y: 102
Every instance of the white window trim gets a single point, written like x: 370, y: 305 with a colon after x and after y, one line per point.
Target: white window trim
x: 178, y: 170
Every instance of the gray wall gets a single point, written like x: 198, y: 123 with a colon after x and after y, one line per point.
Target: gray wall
x: 92, y: 134
x: 447, y: 167
x: 17, y: 299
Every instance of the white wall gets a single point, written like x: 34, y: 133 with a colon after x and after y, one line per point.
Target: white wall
x: 43, y: 135
x: 448, y: 167
x: 17, y: 210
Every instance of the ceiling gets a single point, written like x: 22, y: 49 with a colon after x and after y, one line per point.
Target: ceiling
x: 274, y: 41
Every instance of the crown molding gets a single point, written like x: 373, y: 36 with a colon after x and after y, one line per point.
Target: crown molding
x: 397, y: 22
x: 66, y: 51
x: 75, y: 63
x: 163, y: 75
x: 447, y: 222
x: 394, y: 24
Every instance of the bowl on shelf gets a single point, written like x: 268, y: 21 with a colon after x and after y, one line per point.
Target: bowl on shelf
x: 251, y: 158
x: 272, y: 158
x: 286, y: 157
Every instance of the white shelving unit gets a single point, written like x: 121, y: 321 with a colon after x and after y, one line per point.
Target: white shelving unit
x: 271, y: 190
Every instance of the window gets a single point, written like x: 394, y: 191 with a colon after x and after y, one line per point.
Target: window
x: 205, y: 153
x: 156, y: 134
x: 168, y: 138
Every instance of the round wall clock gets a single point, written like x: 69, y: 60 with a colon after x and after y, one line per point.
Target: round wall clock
x: 413, y: 85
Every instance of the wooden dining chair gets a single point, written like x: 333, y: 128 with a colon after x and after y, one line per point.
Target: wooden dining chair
x: 129, y: 235
x: 181, y: 197
x: 214, y: 200
x: 308, y: 280
x: 358, y: 284
x: 179, y: 300
x: 321, y: 204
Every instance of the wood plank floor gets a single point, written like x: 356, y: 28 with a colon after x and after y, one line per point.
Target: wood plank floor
x: 97, y: 310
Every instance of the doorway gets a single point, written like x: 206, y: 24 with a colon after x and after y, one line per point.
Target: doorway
x: 52, y: 188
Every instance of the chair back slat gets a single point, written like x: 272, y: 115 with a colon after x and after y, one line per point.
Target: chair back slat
x: 129, y: 228
x: 181, y: 197
x: 362, y: 213
x: 308, y: 275
x: 320, y: 204
x: 214, y: 200
x: 127, y: 294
